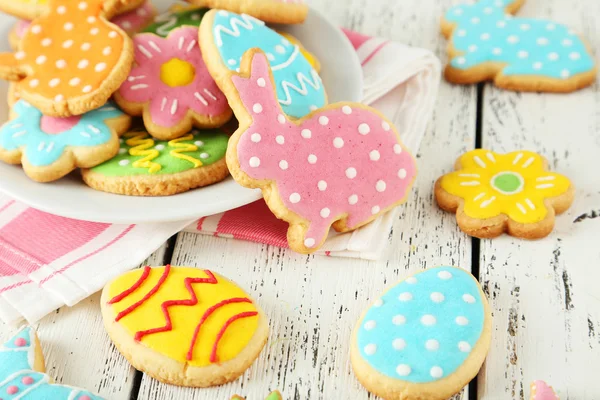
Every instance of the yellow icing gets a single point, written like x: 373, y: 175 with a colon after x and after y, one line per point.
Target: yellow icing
x: 175, y: 344
x: 176, y: 72
x: 310, y: 57
x: 184, y: 147
x: 140, y: 144
x: 514, y: 184
x: 34, y: 2
x: 182, y: 7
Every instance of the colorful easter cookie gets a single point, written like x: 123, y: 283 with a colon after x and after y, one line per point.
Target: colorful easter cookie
x: 541, y: 391
x: 170, y: 20
x: 71, y: 60
x: 226, y: 36
x: 272, y: 396
x: 275, y: 11
x: 184, y: 326
x: 22, y: 372
x: 49, y: 148
x: 341, y: 166
x: 149, y: 167
x: 171, y: 87
x: 487, y: 43
x: 425, y: 338
x: 494, y: 193
x: 131, y: 22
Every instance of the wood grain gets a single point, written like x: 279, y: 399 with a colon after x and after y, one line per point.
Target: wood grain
x: 544, y: 296
x: 314, y: 302
x: 547, y: 310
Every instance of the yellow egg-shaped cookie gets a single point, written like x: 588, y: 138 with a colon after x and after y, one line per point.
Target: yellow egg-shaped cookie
x: 184, y: 326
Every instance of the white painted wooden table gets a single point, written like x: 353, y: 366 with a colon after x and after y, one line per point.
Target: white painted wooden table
x: 544, y: 294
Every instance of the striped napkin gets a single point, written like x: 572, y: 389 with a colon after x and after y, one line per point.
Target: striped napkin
x: 47, y: 261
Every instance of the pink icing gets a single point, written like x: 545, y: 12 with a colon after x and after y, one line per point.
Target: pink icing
x: 134, y: 21
x: 27, y: 380
x: 85, y: 397
x: 12, y: 390
x: 543, y: 391
x: 54, y: 126
x: 169, y: 105
x: 344, y: 159
x: 20, y: 342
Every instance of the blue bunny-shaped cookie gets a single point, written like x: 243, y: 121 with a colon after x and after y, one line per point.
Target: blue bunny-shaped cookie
x: 488, y: 43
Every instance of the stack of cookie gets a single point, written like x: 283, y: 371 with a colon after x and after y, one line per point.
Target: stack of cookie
x: 178, y: 83
x: 78, y: 83
x: 68, y: 62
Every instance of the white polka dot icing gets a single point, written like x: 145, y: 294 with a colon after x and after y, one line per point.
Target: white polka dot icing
x: 527, y: 46
x: 429, y: 344
x: 349, y: 147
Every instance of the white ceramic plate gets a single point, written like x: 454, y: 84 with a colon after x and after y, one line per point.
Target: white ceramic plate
x: 70, y: 197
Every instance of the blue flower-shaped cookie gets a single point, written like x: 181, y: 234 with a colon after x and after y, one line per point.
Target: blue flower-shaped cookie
x: 518, y: 53
x: 299, y: 87
x: 22, y: 373
x: 50, y: 147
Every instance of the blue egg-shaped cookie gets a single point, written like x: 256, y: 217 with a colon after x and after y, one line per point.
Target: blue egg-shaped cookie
x: 299, y: 86
x: 424, y: 338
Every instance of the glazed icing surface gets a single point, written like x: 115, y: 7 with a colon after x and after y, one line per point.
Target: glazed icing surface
x: 211, y: 319
x: 484, y: 32
x: 424, y: 328
x: 140, y: 154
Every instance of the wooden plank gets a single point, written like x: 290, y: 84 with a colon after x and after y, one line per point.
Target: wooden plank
x: 313, y: 302
x: 77, y: 350
x: 547, y: 313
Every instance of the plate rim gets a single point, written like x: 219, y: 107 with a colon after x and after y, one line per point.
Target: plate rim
x: 183, y: 213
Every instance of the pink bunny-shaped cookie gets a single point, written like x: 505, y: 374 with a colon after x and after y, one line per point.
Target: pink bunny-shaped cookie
x: 342, y: 165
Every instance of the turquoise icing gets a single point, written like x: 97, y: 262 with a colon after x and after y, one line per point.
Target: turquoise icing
x: 43, y: 149
x: 16, y: 372
x: 399, y: 338
x: 299, y: 87
x: 484, y: 33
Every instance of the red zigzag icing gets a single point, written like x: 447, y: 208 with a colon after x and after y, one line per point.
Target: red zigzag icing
x: 187, y: 302
x: 169, y: 303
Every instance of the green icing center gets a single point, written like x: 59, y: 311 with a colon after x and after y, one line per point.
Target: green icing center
x: 165, y: 23
x: 507, y: 182
x: 211, y: 144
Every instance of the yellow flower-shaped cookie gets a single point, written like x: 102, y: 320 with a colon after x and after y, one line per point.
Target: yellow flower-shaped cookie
x: 494, y: 193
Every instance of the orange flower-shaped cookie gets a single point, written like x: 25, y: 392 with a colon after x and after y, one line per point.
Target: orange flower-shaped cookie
x: 494, y: 193
x: 71, y: 60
